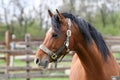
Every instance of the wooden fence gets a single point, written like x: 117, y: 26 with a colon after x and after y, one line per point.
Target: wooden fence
x: 27, y: 71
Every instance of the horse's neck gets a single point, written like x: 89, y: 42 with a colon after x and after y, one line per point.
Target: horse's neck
x: 93, y: 64
x: 91, y: 60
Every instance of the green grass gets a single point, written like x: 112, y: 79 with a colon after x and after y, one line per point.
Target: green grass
x: 116, y: 55
x: 2, y: 62
x: 16, y: 63
x: 43, y: 79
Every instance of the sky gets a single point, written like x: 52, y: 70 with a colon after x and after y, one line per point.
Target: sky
x: 49, y: 4
x: 52, y: 4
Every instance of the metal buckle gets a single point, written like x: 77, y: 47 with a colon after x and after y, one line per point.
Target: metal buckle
x: 53, y: 56
x: 69, y: 22
x: 68, y: 33
x: 67, y: 44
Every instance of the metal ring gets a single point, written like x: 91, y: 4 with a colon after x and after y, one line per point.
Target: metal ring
x: 53, y: 56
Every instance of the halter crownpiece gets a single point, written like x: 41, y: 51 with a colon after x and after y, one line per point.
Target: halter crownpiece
x: 68, y: 33
x: 54, y: 55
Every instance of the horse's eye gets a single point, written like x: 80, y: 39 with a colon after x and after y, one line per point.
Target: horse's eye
x: 55, y: 35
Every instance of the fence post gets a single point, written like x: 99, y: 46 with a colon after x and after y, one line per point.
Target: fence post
x: 7, y: 43
x: 27, y: 41
x: 7, y: 56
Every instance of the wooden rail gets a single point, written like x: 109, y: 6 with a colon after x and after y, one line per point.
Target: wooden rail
x: 31, y: 75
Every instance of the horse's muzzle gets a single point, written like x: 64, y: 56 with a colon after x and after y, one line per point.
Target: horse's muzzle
x: 42, y: 63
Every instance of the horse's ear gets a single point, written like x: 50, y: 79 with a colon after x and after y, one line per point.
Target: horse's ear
x: 50, y: 13
x: 60, y: 16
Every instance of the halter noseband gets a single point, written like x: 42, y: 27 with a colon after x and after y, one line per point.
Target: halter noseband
x: 54, y: 55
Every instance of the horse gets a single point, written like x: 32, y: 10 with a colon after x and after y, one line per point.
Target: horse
x: 92, y: 61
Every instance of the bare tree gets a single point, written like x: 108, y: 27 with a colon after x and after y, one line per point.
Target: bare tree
x: 39, y: 15
x: 23, y: 19
x: 6, y: 12
x: 113, y: 18
x: 72, y: 7
x: 104, y: 14
x: 114, y: 13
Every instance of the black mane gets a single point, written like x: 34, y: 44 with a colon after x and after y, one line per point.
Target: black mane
x: 88, y: 31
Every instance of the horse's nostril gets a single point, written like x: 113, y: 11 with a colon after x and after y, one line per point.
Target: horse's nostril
x: 46, y: 62
x: 37, y: 61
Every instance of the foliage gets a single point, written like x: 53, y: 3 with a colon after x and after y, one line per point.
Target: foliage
x: 109, y: 29
x: 35, y: 31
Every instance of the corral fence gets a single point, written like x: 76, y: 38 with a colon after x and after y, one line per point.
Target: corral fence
x: 24, y: 50
x: 12, y: 48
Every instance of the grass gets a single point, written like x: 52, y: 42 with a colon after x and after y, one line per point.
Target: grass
x: 116, y: 55
x: 16, y: 63
x: 43, y: 79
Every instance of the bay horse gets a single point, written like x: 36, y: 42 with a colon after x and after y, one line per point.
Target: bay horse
x: 92, y: 61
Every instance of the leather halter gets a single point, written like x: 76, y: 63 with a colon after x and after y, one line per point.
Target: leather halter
x: 54, y: 55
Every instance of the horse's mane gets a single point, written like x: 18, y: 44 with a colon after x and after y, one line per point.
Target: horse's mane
x: 87, y: 30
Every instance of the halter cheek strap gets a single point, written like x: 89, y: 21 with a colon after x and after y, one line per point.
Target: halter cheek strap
x: 54, y: 55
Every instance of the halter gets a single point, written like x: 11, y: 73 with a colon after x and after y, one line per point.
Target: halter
x: 54, y: 55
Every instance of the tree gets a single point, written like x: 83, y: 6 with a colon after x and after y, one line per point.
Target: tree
x: 103, y: 12
x: 23, y: 19
x: 6, y: 14
x: 68, y: 6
